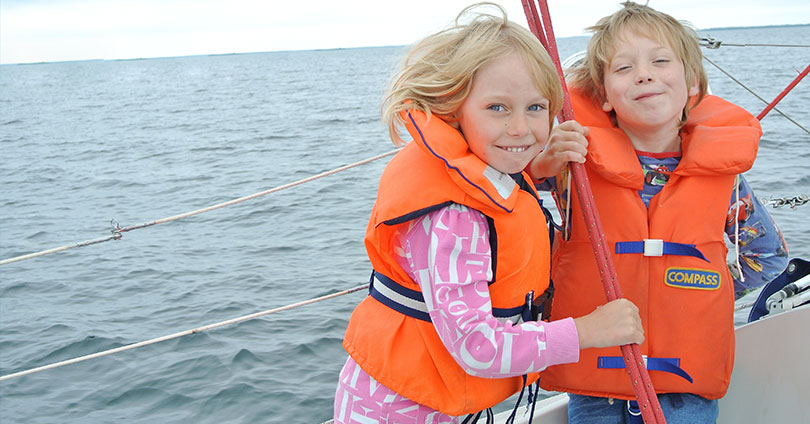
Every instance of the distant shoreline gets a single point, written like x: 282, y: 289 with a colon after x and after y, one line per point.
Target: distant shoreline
x: 355, y: 47
x: 752, y: 27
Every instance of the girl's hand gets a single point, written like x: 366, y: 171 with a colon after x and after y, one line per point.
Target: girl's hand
x: 615, y: 323
x: 567, y: 143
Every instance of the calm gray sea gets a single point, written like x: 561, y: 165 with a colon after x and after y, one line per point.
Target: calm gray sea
x: 84, y: 143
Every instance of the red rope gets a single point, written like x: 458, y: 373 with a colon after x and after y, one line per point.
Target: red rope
x: 640, y: 379
x: 784, y: 93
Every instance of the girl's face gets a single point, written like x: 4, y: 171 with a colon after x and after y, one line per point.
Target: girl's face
x: 505, y: 117
x: 645, y: 85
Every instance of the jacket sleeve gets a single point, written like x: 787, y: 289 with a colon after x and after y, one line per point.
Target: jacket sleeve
x: 763, y: 252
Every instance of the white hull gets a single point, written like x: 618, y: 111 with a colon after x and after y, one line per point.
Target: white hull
x: 771, y: 379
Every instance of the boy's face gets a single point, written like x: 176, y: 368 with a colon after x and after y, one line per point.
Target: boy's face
x: 505, y: 117
x: 645, y: 85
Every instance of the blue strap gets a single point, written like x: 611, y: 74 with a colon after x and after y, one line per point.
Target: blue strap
x: 669, y: 248
x: 397, y: 297
x: 473, y: 418
x: 670, y: 365
x: 411, y: 302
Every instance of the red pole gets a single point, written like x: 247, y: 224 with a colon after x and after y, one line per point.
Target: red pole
x: 534, y: 21
x: 642, y: 385
x: 784, y: 92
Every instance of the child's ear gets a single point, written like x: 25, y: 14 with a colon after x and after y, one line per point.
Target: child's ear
x: 693, y: 90
x: 607, y: 107
x: 452, y: 119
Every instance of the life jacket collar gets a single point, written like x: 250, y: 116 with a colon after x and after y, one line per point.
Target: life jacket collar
x: 484, y: 183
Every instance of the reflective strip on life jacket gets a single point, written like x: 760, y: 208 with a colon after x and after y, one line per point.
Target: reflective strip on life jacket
x: 412, y: 303
x: 657, y: 247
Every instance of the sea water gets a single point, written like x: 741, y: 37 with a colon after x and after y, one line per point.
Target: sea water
x: 88, y: 145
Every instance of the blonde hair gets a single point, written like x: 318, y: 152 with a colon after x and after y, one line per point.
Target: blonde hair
x: 436, y: 75
x: 642, y: 20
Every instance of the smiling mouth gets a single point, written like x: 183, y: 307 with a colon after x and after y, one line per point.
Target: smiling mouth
x: 519, y: 149
x: 646, y: 96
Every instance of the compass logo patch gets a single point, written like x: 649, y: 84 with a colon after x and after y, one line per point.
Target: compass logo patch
x: 691, y: 278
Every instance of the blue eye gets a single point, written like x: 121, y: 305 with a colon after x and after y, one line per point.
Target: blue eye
x: 538, y: 107
x: 496, y: 108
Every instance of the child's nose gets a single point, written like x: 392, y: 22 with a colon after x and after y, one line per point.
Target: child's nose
x: 517, y: 125
x: 643, y: 75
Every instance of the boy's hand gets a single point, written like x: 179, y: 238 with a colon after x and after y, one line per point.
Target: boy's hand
x: 615, y: 323
x: 567, y: 143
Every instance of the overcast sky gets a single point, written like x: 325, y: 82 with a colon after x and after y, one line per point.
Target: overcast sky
x: 57, y: 30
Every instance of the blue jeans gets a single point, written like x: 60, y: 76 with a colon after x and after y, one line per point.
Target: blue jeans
x: 679, y: 408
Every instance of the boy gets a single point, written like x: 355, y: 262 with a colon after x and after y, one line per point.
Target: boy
x: 663, y: 162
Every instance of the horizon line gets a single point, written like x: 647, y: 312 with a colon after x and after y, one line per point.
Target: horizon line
x: 326, y: 49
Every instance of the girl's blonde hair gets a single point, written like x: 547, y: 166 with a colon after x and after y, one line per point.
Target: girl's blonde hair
x: 642, y: 20
x: 437, y: 73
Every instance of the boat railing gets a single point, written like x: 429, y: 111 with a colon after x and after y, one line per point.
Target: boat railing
x: 118, y: 232
x: 182, y: 333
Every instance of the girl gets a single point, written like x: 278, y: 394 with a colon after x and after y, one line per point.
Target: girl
x: 458, y: 237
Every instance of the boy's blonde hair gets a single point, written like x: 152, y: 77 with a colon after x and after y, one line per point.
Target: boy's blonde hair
x: 437, y: 73
x: 642, y: 20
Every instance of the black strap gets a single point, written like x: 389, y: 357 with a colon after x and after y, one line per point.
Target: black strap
x: 541, y: 307
x: 412, y: 303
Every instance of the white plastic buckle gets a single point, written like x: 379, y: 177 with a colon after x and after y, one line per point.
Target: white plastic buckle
x: 653, y: 247
x: 632, y: 412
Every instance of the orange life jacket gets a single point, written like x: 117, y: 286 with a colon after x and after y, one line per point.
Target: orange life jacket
x: 686, y: 302
x: 405, y: 353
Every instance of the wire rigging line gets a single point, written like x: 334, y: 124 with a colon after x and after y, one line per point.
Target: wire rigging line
x: 742, y: 306
x: 755, y: 94
x: 764, y: 45
x: 118, y: 231
x: 181, y: 333
x: 714, y: 43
